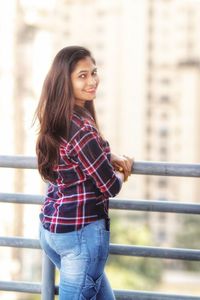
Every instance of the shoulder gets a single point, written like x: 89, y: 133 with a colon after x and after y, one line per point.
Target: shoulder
x: 87, y: 137
x: 87, y: 130
x: 82, y: 132
x: 82, y: 125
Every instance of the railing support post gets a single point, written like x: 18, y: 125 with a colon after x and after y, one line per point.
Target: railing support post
x: 48, y: 279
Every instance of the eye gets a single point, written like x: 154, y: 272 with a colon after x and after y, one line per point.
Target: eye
x: 94, y: 72
x: 82, y: 76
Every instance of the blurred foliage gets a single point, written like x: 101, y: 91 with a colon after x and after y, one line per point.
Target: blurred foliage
x: 132, y: 272
x: 188, y: 237
x: 34, y: 297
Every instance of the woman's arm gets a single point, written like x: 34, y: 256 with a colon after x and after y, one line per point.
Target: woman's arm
x: 95, y: 163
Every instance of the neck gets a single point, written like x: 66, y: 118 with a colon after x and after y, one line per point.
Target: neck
x: 80, y: 103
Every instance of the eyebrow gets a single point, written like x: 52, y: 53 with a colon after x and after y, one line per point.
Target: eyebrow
x: 85, y: 71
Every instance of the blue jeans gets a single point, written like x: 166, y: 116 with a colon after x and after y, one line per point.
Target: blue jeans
x: 81, y: 257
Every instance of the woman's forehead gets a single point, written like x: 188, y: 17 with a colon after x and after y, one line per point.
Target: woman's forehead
x: 84, y: 64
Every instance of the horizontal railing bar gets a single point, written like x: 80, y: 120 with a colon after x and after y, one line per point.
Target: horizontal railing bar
x: 139, y: 167
x: 139, y: 205
x: 18, y: 242
x: 137, y: 295
x: 35, y: 288
x: 20, y: 286
x: 155, y: 206
x: 155, y: 252
x: 166, y: 169
x: 127, y: 250
x: 20, y: 198
x: 18, y: 161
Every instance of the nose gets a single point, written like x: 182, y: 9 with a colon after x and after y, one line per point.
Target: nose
x: 92, y: 80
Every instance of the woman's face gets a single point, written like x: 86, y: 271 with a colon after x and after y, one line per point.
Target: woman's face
x: 84, y: 80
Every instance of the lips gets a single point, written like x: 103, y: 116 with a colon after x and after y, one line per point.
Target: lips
x: 91, y: 91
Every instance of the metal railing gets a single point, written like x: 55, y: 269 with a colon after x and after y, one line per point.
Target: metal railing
x: 47, y: 287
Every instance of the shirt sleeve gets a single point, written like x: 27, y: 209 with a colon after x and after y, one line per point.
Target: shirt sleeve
x: 95, y: 163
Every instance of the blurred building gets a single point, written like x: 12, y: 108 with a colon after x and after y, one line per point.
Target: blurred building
x: 147, y: 54
x: 172, y: 102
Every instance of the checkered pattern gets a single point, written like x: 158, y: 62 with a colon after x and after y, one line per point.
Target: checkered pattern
x: 85, y: 180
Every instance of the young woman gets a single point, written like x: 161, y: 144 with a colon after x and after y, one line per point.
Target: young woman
x: 82, y: 174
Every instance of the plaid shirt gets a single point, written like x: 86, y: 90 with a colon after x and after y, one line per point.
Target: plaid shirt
x: 85, y: 180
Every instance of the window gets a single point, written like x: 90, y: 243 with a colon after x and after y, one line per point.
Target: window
x: 164, y: 99
x: 162, y: 182
x: 163, y: 132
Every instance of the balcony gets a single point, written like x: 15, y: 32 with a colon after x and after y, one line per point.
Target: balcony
x: 47, y: 287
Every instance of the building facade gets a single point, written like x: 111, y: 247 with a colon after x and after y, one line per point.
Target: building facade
x: 147, y: 54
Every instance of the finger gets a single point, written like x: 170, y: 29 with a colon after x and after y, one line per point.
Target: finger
x: 128, y: 166
x: 125, y: 177
x: 118, y: 166
x: 130, y: 162
x: 120, y: 169
x: 125, y: 164
x: 126, y: 174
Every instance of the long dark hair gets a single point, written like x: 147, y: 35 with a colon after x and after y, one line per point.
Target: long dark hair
x: 56, y: 107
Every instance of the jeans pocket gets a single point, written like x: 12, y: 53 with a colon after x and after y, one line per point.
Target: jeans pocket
x: 65, y: 244
x: 97, y: 240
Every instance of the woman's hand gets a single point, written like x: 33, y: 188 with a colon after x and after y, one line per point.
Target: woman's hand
x: 122, y: 164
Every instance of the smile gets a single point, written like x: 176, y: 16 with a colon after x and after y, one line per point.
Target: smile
x: 91, y: 91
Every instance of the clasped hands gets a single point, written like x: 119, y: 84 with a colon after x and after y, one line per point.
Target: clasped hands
x: 122, y: 164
